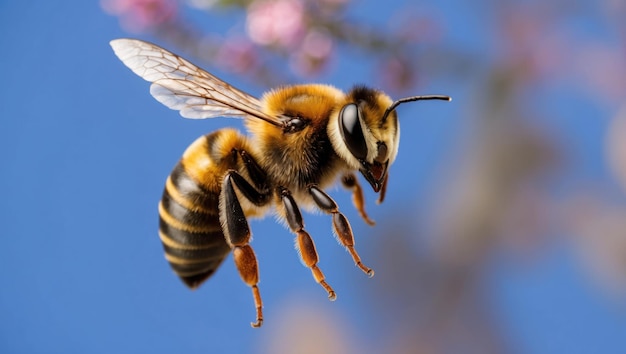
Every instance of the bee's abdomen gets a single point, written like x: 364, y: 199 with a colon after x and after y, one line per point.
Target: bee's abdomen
x: 189, y: 227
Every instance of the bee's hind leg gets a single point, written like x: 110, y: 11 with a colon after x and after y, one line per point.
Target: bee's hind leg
x: 304, y: 242
x: 237, y: 233
x: 340, y: 225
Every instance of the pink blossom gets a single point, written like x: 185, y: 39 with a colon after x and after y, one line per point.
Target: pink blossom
x: 601, y: 69
x: 317, y: 44
x: 532, y: 45
x: 398, y: 73
x: 139, y: 15
x: 313, y: 53
x: 237, y: 54
x: 276, y: 22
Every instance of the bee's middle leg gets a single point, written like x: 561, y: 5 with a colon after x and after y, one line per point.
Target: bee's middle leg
x: 304, y: 242
x: 340, y: 225
x: 237, y: 233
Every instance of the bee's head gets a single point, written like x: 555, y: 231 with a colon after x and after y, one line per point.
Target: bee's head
x: 365, y: 132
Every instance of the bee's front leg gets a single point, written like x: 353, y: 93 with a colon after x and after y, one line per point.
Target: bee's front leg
x: 340, y: 225
x: 349, y: 181
x: 383, y: 190
x: 304, y: 242
x: 237, y: 233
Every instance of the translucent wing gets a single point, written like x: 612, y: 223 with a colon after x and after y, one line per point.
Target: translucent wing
x: 182, y: 86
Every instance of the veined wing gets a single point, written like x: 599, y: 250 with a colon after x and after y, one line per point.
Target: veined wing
x: 182, y: 86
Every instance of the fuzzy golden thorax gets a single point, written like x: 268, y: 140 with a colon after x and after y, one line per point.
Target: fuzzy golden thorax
x: 302, y: 156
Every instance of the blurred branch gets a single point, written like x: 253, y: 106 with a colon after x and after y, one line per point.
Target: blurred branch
x: 301, y: 35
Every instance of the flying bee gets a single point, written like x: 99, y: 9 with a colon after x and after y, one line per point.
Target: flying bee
x: 303, y: 138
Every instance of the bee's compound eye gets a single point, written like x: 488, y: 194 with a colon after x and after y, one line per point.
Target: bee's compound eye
x: 351, y: 131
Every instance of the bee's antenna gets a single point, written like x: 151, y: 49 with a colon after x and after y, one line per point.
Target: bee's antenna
x: 411, y: 99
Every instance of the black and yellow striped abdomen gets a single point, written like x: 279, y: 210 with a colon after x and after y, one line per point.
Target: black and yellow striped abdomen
x: 189, y: 225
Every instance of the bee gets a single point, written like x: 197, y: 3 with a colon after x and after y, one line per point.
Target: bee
x: 302, y: 140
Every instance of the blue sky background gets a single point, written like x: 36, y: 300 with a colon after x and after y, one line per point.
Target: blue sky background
x: 84, y: 152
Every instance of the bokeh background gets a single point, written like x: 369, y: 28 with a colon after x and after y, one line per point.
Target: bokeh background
x: 504, y: 227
